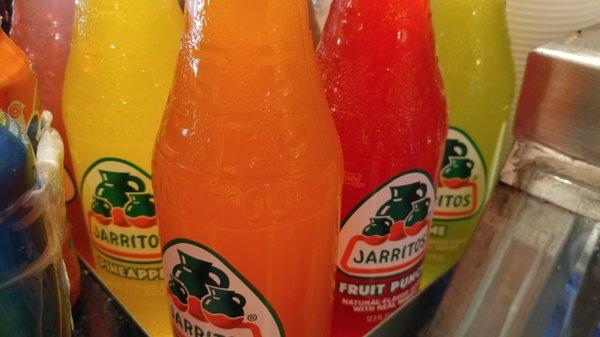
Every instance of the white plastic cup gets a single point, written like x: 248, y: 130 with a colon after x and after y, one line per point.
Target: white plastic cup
x: 535, y: 22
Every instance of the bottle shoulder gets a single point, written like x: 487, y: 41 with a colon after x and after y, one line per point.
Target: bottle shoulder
x: 248, y: 202
x: 259, y: 147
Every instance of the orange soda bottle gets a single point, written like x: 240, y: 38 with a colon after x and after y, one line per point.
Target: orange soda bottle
x: 247, y: 176
x: 43, y: 30
x: 18, y: 93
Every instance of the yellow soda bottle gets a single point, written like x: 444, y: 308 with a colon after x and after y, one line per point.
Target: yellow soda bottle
x: 475, y: 58
x: 117, y: 82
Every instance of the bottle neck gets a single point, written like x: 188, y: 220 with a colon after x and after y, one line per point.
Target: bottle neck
x: 247, y: 49
x: 123, y: 20
x: 59, y: 12
x: 34, y: 20
x: 112, y: 4
x: 245, y: 67
x: 265, y: 27
x: 121, y: 11
x: 471, y: 19
x: 351, y: 17
x: 380, y: 34
x: 381, y: 56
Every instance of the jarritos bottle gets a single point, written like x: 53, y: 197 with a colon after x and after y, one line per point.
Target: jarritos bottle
x: 117, y: 82
x: 18, y: 88
x: 43, y: 31
x: 247, y: 175
x: 385, y: 92
x: 476, y: 63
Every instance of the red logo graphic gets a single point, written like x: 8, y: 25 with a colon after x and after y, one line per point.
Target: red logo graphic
x: 402, y: 217
x: 202, y: 290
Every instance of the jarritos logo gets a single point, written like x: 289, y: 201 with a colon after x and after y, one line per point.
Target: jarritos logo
x: 210, y: 298
x: 463, y: 179
x: 387, y: 233
x: 119, y: 204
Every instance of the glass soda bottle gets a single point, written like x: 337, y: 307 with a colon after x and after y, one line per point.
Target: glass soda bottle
x: 474, y: 54
x: 248, y: 175
x: 43, y: 30
x: 117, y: 82
x: 18, y: 91
x: 385, y: 92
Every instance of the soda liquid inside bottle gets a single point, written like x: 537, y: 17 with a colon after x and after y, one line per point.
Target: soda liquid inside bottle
x: 474, y: 52
x: 117, y: 82
x: 384, y: 89
x: 248, y: 175
x: 18, y: 88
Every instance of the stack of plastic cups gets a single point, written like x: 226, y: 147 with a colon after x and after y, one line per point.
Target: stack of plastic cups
x: 535, y: 22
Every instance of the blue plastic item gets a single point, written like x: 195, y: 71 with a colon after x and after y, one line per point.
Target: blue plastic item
x: 33, y: 292
x: 20, y: 245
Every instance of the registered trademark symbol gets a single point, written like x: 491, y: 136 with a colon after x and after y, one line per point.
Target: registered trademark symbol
x: 252, y: 317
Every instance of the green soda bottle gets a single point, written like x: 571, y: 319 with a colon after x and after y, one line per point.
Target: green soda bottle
x: 475, y: 58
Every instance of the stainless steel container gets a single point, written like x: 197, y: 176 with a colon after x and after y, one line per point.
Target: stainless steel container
x: 533, y: 266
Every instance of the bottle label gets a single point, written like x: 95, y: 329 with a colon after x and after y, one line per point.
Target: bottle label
x: 382, y: 245
x: 209, y: 297
x: 463, y: 179
x: 118, y: 203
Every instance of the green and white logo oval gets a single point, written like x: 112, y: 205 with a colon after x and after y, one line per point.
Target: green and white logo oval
x: 209, y: 297
x: 463, y: 179
x: 118, y: 202
x: 386, y: 234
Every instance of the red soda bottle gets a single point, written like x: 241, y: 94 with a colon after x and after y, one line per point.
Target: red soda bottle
x: 385, y: 91
x: 43, y: 30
